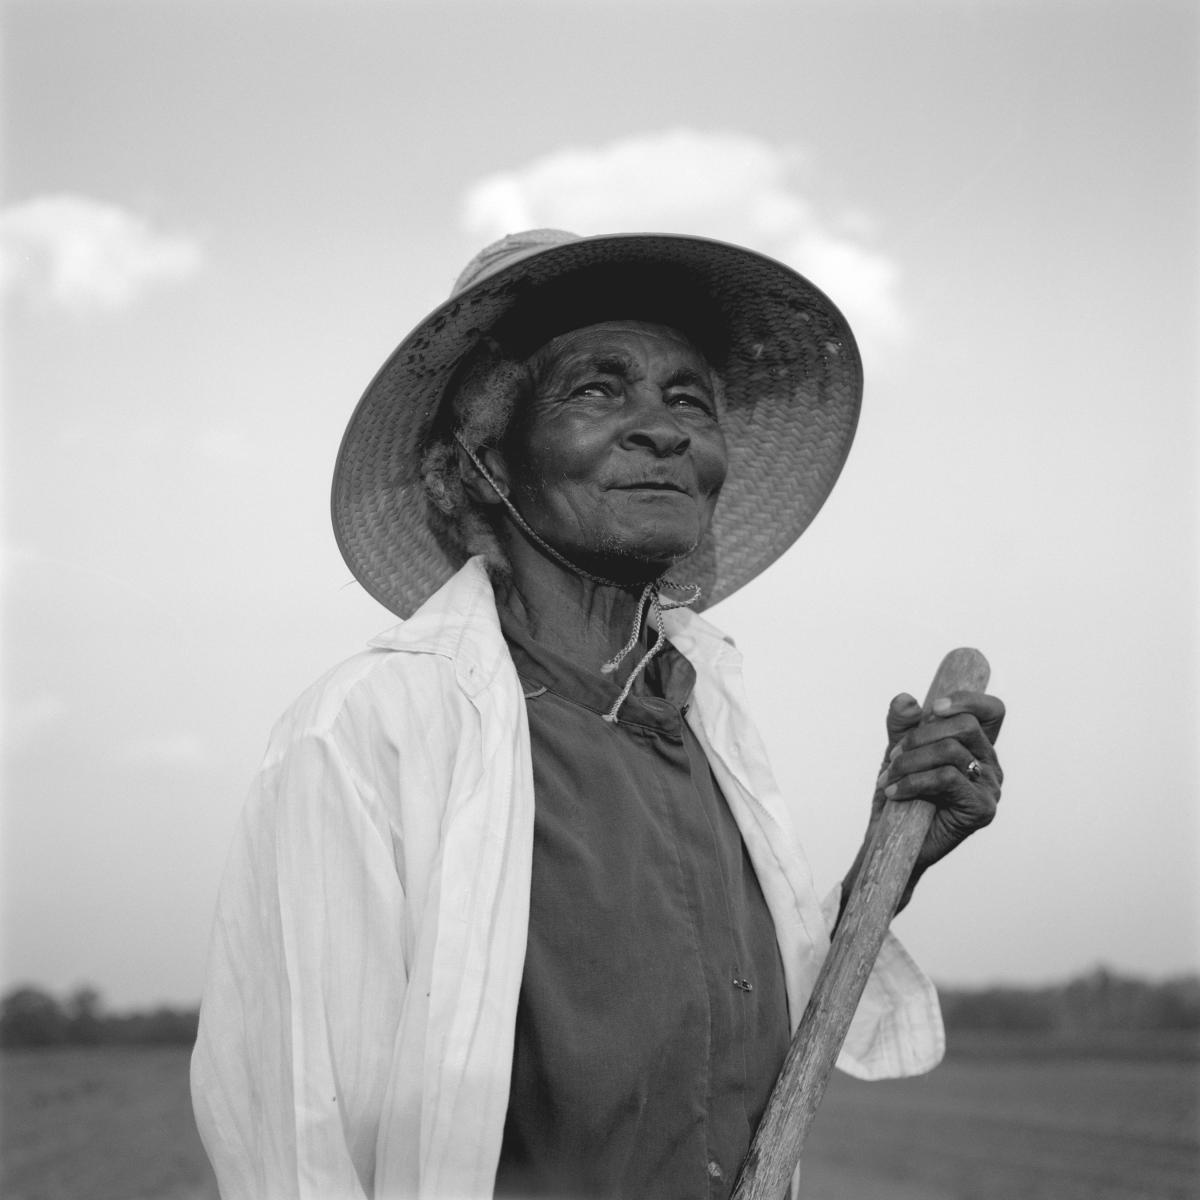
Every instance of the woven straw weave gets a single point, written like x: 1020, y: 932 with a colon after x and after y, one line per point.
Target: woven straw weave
x: 791, y: 367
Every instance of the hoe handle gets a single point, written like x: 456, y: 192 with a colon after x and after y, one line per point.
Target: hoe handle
x: 775, y: 1152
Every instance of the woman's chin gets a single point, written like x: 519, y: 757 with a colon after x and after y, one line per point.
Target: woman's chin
x: 641, y: 560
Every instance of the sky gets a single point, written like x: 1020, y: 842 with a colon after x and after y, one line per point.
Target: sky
x: 218, y: 220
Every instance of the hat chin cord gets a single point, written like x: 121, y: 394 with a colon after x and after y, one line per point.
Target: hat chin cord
x: 651, y: 593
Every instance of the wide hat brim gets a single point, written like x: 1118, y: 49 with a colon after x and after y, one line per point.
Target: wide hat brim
x: 789, y: 361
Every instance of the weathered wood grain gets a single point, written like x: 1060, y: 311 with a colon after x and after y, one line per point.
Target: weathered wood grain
x: 777, y: 1146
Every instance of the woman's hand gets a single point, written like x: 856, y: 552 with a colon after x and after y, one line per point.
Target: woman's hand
x: 947, y: 758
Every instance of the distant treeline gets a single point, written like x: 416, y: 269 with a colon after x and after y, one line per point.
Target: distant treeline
x: 1100, y: 1002
x: 30, y: 1016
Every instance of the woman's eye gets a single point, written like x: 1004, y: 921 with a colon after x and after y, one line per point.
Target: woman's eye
x: 688, y: 400
x: 594, y: 388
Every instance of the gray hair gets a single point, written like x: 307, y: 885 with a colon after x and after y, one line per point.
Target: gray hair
x: 487, y: 391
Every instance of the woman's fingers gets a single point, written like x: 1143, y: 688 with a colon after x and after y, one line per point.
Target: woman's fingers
x: 947, y: 752
x: 987, y: 710
x: 963, y: 727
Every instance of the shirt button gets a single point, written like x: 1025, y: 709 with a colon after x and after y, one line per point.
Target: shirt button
x: 714, y: 1169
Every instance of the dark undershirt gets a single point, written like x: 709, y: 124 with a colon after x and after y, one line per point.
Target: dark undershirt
x: 652, y: 1019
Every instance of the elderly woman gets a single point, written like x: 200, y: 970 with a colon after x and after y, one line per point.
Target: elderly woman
x: 514, y: 908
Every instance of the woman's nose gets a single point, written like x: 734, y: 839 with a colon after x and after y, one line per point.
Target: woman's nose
x: 651, y: 425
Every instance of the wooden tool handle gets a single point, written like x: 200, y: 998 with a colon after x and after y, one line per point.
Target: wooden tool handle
x: 887, y: 867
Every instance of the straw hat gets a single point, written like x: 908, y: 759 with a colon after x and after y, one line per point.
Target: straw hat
x: 792, y: 373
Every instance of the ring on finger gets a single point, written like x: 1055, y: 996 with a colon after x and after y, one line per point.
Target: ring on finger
x: 974, y: 770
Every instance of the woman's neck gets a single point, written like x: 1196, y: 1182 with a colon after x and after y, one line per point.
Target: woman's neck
x: 577, y: 617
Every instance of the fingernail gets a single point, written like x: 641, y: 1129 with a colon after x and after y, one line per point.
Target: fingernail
x: 942, y: 706
x: 894, y: 752
x: 890, y: 792
x: 882, y: 776
x: 908, y: 704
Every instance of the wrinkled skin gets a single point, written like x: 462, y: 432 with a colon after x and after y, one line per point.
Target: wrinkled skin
x: 619, y: 459
x: 928, y: 759
x: 618, y: 463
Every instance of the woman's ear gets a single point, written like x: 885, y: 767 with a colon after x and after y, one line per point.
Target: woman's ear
x: 492, y: 484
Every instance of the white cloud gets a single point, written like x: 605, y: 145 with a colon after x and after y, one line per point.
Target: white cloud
x: 80, y: 253
x: 723, y: 185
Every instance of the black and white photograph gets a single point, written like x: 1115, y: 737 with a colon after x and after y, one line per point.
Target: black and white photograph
x: 600, y: 600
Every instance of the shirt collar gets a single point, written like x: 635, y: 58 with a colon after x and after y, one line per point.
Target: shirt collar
x: 458, y: 621
x: 669, y: 678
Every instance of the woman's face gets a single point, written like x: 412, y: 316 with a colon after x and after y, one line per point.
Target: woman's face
x: 618, y: 460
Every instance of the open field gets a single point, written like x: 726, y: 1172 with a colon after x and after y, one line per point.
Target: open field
x: 993, y: 1128
x: 102, y: 1123
x: 115, y: 1124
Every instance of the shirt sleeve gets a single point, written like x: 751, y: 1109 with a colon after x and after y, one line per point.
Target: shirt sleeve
x: 897, y: 1028
x: 305, y: 983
